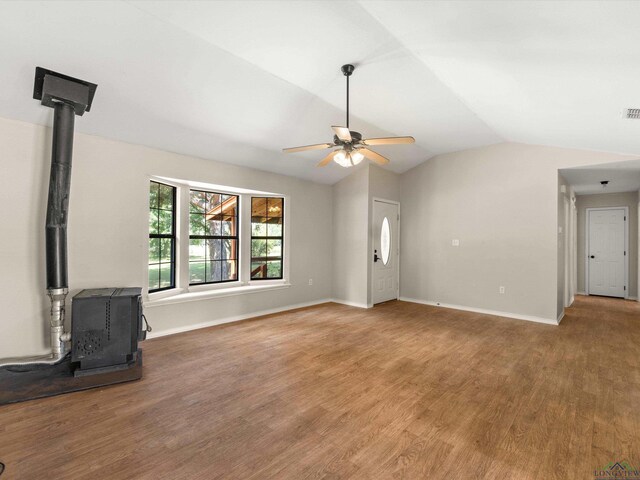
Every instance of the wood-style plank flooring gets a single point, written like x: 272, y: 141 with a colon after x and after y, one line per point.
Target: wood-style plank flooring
x: 398, y: 391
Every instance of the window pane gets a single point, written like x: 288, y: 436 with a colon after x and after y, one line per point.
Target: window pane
x: 258, y: 248
x: 214, y: 249
x: 153, y: 195
x: 165, y: 197
x: 229, y: 249
x: 230, y: 205
x: 258, y: 207
x: 165, y: 222
x: 274, y: 227
x: 385, y: 241
x: 229, y: 271
x: 214, y: 204
x: 154, y: 250
x: 258, y: 270
x: 214, y: 271
x: 166, y: 246
x: 154, y: 277
x: 274, y: 269
x: 274, y: 248
x: 196, y: 250
x: 274, y: 207
x: 197, y: 201
x: 153, y: 221
x: 196, y: 272
x: 196, y: 224
x: 229, y: 226
x: 212, y: 225
x: 258, y: 226
x: 165, y: 275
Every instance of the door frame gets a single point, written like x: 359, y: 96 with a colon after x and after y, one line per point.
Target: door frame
x: 567, y: 252
x: 371, y: 282
x: 626, y: 246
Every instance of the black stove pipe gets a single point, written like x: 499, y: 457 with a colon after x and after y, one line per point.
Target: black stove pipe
x: 68, y: 97
x: 58, y: 203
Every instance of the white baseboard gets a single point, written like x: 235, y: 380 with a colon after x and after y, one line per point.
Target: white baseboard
x: 560, y: 317
x: 628, y: 298
x: 517, y: 316
x: 350, y: 304
x: 236, y: 318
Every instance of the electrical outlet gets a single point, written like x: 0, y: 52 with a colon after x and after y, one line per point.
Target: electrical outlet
x: 311, y: 281
x: 502, y: 290
x: 455, y: 242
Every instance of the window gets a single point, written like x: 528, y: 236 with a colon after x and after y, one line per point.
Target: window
x: 267, y: 225
x: 385, y: 241
x: 208, y: 240
x: 162, y: 236
x: 213, y: 237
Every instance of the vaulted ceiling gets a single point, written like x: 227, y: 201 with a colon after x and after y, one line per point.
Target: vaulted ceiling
x: 236, y: 81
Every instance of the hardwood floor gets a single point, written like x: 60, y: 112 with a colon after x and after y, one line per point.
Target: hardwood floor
x: 399, y: 391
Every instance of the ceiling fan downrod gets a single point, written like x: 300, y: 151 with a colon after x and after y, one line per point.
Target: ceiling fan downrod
x: 347, y: 70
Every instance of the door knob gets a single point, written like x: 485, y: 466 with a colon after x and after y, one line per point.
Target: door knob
x: 375, y: 256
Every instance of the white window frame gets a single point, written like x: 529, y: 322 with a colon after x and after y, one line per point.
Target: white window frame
x: 184, y: 292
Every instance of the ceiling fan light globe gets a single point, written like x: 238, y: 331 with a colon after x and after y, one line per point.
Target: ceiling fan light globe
x: 342, y: 159
x: 356, y: 157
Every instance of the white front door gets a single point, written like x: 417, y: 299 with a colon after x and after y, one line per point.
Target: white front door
x: 606, y: 253
x: 385, y: 251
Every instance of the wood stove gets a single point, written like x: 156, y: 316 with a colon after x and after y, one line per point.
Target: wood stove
x: 106, y: 323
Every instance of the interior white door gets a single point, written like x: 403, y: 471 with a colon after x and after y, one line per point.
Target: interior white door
x: 386, y: 251
x: 606, y: 253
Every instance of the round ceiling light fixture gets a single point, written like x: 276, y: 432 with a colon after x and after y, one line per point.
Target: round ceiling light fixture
x: 348, y: 159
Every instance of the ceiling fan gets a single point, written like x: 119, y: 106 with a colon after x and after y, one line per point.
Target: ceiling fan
x: 352, y: 148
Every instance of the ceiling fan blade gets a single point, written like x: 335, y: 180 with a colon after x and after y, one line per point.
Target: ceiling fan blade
x: 343, y: 133
x: 376, y: 157
x: 326, y: 160
x: 318, y: 146
x: 388, y: 140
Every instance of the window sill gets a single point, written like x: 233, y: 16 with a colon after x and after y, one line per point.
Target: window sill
x: 181, y: 297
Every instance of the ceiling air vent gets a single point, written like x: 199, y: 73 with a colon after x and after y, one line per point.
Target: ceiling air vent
x: 633, y: 113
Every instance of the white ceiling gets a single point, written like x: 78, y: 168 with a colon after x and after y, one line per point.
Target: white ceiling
x: 237, y: 81
x: 622, y: 177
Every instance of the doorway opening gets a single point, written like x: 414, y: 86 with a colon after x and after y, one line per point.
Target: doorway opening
x: 603, y: 231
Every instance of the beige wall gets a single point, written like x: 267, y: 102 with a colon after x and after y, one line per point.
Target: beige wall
x: 630, y: 200
x: 501, y: 202
x: 108, y: 230
x: 350, y: 237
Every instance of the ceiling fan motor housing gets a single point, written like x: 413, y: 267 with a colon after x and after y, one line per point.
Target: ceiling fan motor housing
x: 356, y: 137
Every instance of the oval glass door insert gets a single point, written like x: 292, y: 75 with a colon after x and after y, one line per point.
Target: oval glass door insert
x: 385, y: 240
